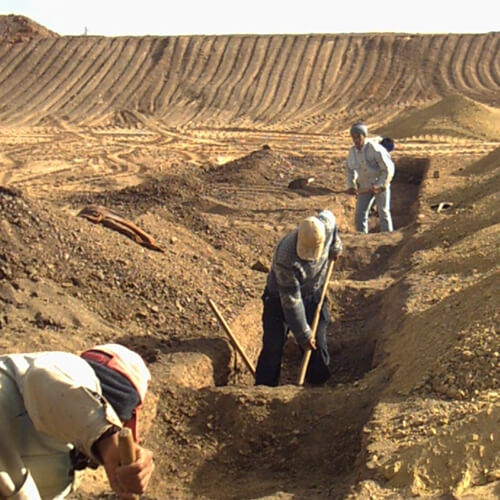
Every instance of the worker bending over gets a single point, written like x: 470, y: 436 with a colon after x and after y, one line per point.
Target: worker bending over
x: 60, y: 412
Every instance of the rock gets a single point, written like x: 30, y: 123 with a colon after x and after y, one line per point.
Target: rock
x: 300, y: 183
x: 259, y: 266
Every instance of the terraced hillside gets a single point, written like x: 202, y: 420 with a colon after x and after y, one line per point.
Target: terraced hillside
x: 195, y: 139
x: 312, y: 83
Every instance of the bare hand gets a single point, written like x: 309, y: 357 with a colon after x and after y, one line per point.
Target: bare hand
x: 134, y: 478
x: 309, y: 344
x: 125, y: 480
x: 353, y: 191
x: 377, y: 189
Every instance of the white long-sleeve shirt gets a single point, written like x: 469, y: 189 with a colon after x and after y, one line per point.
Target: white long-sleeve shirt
x: 368, y: 167
x: 52, y: 402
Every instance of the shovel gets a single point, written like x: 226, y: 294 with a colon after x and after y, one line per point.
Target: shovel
x: 127, y: 449
x: 233, y: 339
x: 307, y: 354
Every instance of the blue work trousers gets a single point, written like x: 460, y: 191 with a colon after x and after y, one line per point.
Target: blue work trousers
x: 364, y: 204
x: 274, y: 338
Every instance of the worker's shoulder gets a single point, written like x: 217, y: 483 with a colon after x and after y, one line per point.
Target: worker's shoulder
x: 286, y: 253
x: 374, y: 143
x: 63, y: 367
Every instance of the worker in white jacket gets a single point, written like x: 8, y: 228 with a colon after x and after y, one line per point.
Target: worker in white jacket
x: 60, y: 412
x: 369, y: 170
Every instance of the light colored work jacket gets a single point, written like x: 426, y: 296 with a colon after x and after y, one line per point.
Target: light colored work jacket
x: 52, y: 402
x: 370, y: 166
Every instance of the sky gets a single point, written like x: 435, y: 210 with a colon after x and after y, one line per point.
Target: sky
x: 217, y: 17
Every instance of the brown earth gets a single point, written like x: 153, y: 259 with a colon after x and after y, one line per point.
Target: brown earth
x: 195, y: 139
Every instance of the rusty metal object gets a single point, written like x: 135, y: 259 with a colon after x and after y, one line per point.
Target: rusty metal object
x: 99, y: 214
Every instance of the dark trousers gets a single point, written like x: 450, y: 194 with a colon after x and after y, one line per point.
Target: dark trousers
x: 274, y: 338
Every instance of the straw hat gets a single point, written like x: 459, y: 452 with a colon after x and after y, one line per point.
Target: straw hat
x: 310, y: 238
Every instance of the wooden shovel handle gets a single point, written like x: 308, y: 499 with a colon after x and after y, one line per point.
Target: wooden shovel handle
x: 7, y: 487
x: 307, y: 354
x: 233, y: 339
x: 127, y: 448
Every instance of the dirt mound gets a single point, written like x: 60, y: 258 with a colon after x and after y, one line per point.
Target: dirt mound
x: 453, y: 116
x: 260, y: 167
x: 246, y: 82
x: 487, y: 164
x: 14, y: 29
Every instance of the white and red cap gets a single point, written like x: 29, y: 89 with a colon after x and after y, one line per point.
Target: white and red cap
x: 127, y: 363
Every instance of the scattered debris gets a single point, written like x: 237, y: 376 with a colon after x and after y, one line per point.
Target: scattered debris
x: 260, y: 266
x: 300, y: 183
x: 442, y: 206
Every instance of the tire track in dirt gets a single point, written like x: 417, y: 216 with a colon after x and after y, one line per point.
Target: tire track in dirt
x: 478, y: 56
x: 237, y: 71
x: 165, y: 98
x: 203, y: 88
x: 314, y: 84
x: 16, y: 60
x: 245, y: 80
x: 458, y: 64
x: 268, y: 94
x: 117, y: 61
x: 188, y: 97
x: 243, y: 60
x: 225, y: 67
x: 300, y: 70
x: 31, y: 83
x: 494, y: 65
x: 184, y: 61
x: 89, y: 108
x: 162, y: 52
x: 7, y: 53
x: 316, y: 111
x: 348, y: 74
x: 263, y: 66
x: 66, y: 82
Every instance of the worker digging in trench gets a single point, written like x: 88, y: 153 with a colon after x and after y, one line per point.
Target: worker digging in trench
x: 300, y: 267
x: 60, y: 412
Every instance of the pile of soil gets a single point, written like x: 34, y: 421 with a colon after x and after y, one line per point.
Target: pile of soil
x: 454, y: 116
x: 16, y: 29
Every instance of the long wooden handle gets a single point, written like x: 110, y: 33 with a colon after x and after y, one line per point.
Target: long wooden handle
x: 233, y: 339
x: 7, y: 486
x: 307, y: 354
x: 127, y: 448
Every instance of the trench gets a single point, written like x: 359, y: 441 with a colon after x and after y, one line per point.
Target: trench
x: 260, y: 441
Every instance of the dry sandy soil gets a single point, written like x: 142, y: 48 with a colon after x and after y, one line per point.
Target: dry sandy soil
x: 195, y: 139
